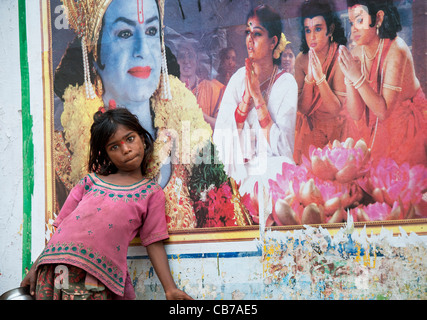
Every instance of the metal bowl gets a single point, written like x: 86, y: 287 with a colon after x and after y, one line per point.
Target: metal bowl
x: 21, y: 293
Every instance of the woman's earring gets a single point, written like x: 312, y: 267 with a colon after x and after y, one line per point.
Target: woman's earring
x: 378, y: 29
x: 332, y: 38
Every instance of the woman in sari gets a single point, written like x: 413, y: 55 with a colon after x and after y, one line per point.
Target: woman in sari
x: 384, y: 96
x: 321, y: 88
x: 256, y: 121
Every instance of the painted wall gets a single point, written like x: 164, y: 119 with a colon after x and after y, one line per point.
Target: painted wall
x: 303, y: 264
x: 10, y: 147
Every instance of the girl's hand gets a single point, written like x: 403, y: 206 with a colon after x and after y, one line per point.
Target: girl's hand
x: 350, y: 66
x: 177, y: 294
x: 30, y: 280
x: 314, y: 65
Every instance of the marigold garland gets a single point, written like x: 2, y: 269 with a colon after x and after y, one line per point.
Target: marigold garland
x: 77, y: 119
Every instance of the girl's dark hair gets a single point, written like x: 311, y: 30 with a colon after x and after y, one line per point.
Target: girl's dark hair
x: 271, y: 21
x: 391, y: 24
x: 104, y: 126
x: 324, y: 8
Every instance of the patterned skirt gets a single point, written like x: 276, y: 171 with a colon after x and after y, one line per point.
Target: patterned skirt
x: 66, y: 282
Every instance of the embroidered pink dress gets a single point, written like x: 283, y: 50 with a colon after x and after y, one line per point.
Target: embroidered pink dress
x: 96, y: 224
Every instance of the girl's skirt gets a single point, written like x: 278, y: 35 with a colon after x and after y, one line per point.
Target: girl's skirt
x: 66, y: 282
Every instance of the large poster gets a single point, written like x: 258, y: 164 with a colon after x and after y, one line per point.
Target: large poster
x: 274, y: 114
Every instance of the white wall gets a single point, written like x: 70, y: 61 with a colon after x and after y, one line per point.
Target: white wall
x: 10, y: 148
x: 11, y: 166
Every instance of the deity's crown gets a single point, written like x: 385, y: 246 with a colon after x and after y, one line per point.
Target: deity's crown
x: 85, y: 17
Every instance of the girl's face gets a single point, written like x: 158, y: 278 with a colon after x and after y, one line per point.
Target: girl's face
x: 125, y: 148
x: 316, y: 33
x: 130, y: 51
x: 360, y: 20
x: 258, y: 43
x: 288, y: 60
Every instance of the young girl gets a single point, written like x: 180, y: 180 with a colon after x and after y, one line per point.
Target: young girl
x: 101, y: 215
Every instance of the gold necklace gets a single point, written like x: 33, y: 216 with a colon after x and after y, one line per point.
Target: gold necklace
x: 270, y: 85
x: 364, y: 62
x: 379, y: 47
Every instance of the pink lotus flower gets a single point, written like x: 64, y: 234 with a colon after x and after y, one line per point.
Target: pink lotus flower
x: 389, y: 182
x: 250, y: 201
x: 288, y: 183
x: 376, y: 212
x: 343, y: 162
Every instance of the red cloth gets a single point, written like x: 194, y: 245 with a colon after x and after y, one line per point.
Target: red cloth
x: 314, y: 128
x: 402, y: 135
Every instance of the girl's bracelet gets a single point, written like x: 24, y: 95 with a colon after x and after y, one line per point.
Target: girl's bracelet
x: 239, y: 115
x: 348, y: 82
x: 359, y: 82
x: 308, y: 81
x: 322, y: 78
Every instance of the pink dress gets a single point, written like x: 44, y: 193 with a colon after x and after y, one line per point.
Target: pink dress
x: 96, y: 224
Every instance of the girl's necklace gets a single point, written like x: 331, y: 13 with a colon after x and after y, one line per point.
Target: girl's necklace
x: 379, y: 47
x: 265, y: 81
x: 365, y: 58
x: 270, y: 84
x: 326, y: 56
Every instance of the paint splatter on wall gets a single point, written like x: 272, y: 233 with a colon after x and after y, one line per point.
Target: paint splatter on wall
x: 311, y: 264
x: 302, y: 264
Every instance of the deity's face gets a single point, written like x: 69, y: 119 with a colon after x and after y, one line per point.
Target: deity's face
x: 130, y: 55
x: 316, y: 33
x: 360, y: 22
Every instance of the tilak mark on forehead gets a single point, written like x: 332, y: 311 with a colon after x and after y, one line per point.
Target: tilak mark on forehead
x: 140, y: 8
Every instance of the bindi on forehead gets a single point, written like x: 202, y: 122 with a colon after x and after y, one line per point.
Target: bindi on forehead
x: 254, y: 23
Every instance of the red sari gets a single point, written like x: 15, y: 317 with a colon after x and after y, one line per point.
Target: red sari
x: 402, y: 135
x: 319, y: 128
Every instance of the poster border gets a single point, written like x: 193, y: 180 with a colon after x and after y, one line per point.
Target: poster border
x: 218, y: 234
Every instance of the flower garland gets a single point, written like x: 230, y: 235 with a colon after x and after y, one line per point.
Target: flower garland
x: 77, y: 119
x: 174, y: 120
x: 215, y: 207
x: 283, y: 42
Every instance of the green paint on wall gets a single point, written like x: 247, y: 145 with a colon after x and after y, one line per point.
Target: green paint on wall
x: 27, y: 140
